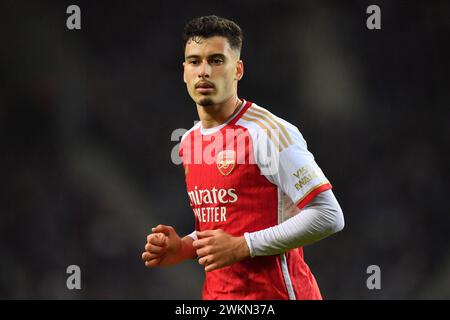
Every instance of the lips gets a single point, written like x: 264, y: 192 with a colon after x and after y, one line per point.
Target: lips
x: 204, y: 85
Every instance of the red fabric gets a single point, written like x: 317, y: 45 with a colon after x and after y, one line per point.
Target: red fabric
x: 241, y: 201
x: 313, y: 193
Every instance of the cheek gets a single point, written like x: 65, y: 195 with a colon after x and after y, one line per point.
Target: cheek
x: 189, y: 75
x: 186, y: 76
x: 231, y: 74
x: 228, y: 80
x: 190, y: 84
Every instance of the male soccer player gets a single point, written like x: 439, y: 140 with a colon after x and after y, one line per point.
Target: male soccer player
x: 257, y: 193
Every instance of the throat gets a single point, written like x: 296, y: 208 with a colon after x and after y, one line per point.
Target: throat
x: 216, y: 115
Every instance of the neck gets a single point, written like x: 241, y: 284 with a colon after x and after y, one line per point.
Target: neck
x: 217, y: 114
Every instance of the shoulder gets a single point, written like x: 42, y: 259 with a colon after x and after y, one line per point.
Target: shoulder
x: 191, y: 130
x: 263, y: 124
x: 185, y: 143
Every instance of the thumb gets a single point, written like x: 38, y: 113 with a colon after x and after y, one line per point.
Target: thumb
x: 167, y: 230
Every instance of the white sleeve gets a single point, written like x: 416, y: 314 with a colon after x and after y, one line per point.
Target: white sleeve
x: 283, y: 157
x: 319, y: 219
x: 193, y: 235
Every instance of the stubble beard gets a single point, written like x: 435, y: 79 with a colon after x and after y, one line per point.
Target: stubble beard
x: 205, y: 101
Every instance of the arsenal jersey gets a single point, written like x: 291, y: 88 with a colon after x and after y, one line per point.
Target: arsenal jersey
x: 249, y: 174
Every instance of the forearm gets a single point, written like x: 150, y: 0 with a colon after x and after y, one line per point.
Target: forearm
x: 319, y: 219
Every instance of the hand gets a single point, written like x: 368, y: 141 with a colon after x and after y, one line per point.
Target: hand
x: 163, y: 248
x: 218, y: 249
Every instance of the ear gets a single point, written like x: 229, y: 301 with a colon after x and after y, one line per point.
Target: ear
x: 184, y: 70
x: 239, y: 70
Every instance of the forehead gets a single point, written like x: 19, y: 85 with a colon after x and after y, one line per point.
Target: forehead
x: 208, y: 46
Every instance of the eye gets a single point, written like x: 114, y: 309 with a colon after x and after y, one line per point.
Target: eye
x: 217, y: 61
x: 193, y: 62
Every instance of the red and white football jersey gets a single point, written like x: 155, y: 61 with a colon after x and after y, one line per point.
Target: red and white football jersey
x: 249, y: 174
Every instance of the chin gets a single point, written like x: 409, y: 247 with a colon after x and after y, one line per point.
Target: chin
x: 205, y: 101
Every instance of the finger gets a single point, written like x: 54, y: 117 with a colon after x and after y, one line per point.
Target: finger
x: 197, y: 244
x: 162, y: 228
x: 157, y: 239
x: 158, y: 235
x: 206, y: 233
x: 152, y: 263
x: 154, y: 249
x: 204, y: 261
x: 204, y: 251
x: 212, y: 267
x: 147, y: 256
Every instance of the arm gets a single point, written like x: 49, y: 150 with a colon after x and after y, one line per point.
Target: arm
x: 319, y: 219
x: 188, y: 251
x: 298, y: 175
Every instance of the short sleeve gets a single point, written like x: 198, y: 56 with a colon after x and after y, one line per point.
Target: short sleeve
x: 283, y: 157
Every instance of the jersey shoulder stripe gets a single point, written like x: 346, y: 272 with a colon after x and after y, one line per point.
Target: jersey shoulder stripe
x: 277, y: 121
x: 276, y: 129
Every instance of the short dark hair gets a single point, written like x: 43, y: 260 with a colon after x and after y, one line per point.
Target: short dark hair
x: 210, y: 26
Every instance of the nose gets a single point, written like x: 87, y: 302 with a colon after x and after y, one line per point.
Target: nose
x: 204, y: 70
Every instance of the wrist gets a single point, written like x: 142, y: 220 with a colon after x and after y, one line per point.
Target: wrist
x: 243, y: 251
x: 187, y: 249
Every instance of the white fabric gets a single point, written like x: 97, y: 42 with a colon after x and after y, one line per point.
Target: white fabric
x: 281, y: 153
x: 282, y: 156
x: 319, y: 219
x: 193, y: 235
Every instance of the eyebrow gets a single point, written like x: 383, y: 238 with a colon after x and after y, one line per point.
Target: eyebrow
x: 214, y: 55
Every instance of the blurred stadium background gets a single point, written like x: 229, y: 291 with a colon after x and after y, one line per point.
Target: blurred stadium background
x: 86, y: 119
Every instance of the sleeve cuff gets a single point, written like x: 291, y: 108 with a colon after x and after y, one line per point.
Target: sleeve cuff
x: 249, y: 244
x: 193, y: 235
x: 312, y: 193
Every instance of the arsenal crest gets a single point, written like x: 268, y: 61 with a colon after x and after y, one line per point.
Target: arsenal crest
x: 225, y: 161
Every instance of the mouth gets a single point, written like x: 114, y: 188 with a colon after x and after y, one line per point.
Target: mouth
x: 204, y: 87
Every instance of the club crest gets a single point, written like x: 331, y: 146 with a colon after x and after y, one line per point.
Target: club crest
x: 226, y: 161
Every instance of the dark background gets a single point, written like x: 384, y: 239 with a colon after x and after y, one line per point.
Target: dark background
x: 86, y: 119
